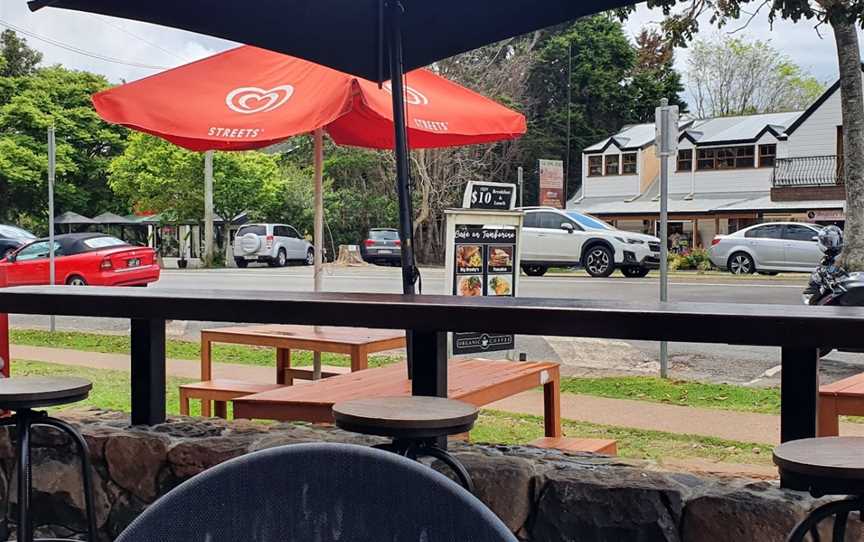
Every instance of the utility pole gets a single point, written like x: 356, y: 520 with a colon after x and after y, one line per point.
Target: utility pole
x: 667, y: 145
x: 52, y: 168
x: 209, y: 250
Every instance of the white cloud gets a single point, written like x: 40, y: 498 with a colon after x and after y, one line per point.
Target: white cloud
x: 130, y: 41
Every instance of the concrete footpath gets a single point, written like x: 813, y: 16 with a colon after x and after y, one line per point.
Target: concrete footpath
x: 725, y: 424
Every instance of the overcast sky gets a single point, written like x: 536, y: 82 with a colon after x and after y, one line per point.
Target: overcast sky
x: 143, y: 44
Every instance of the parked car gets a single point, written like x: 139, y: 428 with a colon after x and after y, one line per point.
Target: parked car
x: 12, y: 237
x: 555, y: 238
x: 81, y: 259
x: 768, y: 248
x: 382, y: 245
x: 273, y: 244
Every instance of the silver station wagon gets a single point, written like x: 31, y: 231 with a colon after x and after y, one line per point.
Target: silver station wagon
x: 768, y: 249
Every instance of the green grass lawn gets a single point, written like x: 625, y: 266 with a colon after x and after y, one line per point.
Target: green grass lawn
x: 177, y: 349
x: 110, y: 388
x: 507, y: 428
x: 677, y: 392
x: 111, y: 391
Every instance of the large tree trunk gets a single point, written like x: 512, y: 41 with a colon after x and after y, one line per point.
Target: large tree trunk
x: 852, y: 96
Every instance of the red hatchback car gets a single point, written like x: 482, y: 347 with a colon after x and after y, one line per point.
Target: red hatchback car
x: 81, y: 259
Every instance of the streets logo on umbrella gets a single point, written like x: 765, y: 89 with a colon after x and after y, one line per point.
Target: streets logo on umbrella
x: 252, y: 100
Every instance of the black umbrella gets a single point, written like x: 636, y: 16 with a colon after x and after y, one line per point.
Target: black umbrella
x: 374, y: 39
x: 369, y: 38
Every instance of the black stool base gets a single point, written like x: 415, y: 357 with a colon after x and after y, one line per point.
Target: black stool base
x: 23, y: 421
x: 839, y: 509
x: 418, y: 448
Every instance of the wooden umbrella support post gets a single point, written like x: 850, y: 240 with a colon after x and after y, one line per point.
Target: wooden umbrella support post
x: 318, y: 273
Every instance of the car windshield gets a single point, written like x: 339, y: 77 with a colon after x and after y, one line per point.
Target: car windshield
x: 589, y: 222
x: 384, y: 235
x: 103, y: 242
x: 11, y: 232
x: 256, y: 229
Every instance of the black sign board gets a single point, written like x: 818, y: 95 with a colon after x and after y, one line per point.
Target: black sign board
x: 485, y: 265
x: 497, y: 196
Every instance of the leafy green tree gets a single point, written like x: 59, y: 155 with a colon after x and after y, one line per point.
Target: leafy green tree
x: 155, y: 176
x: 734, y: 76
x: 85, y: 144
x: 16, y: 58
x: 613, y: 82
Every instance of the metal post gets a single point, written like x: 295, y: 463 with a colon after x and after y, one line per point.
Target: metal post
x: 209, y: 250
x: 52, y: 168
x: 318, y: 232
x: 667, y: 143
x: 799, y: 393
x: 148, y: 371
x: 520, y: 178
x: 406, y: 214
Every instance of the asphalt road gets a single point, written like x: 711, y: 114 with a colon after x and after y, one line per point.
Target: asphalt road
x: 579, y: 356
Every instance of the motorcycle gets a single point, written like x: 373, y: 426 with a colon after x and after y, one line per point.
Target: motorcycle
x: 830, y: 284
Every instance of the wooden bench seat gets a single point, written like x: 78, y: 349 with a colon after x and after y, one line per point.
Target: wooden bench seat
x: 844, y: 397
x: 567, y: 444
x: 475, y: 381
x: 219, y: 392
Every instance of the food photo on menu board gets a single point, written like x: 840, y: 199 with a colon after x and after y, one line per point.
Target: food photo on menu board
x: 500, y: 258
x: 500, y: 285
x: 469, y: 259
x: 470, y: 286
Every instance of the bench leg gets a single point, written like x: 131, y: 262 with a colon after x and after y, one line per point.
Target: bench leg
x: 552, y: 405
x: 829, y: 423
x: 283, y: 363
x: 359, y: 359
x: 206, y: 370
x: 184, y: 403
x: 220, y: 409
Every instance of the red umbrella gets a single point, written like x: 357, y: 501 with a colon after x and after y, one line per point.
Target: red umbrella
x: 248, y: 98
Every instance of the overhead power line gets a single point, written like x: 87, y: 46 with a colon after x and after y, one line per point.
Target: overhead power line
x: 142, y: 39
x: 78, y: 50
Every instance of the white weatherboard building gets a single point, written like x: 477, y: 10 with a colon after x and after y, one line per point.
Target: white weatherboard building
x: 730, y: 172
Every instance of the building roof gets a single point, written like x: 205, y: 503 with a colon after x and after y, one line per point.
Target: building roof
x: 741, y: 129
x: 713, y: 131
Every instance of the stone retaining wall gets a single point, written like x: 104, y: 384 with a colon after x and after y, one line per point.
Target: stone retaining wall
x: 541, y: 495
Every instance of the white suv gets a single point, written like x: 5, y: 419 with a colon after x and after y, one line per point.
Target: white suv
x: 274, y: 244
x: 555, y: 238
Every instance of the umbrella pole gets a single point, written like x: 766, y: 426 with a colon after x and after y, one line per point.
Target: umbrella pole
x: 406, y: 215
x: 319, y: 233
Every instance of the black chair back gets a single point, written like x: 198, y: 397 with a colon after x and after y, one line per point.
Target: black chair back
x: 318, y: 493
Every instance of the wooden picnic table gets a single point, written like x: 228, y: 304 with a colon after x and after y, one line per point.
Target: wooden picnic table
x: 475, y: 381
x: 352, y: 341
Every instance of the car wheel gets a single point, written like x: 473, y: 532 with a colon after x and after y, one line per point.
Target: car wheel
x: 634, y: 272
x: 281, y: 259
x: 534, y: 270
x: 599, y: 261
x: 76, y: 280
x: 241, y: 263
x: 310, y: 257
x: 741, y: 263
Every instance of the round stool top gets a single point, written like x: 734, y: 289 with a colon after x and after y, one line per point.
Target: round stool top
x: 405, y: 417
x: 42, y: 391
x: 827, y: 457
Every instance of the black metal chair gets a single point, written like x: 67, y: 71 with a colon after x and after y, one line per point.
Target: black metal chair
x: 308, y: 492
x: 824, y: 466
x: 22, y: 395
x: 415, y: 424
